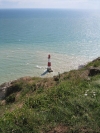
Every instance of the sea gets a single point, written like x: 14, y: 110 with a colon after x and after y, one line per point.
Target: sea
x: 27, y: 36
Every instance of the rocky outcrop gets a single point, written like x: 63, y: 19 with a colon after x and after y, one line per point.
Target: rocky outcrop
x: 10, y: 87
x: 3, y: 89
x: 94, y: 71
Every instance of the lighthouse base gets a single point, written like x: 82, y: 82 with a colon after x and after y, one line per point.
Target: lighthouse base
x: 49, y: 70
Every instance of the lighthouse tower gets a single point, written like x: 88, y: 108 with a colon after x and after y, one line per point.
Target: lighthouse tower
x: 49, y: 64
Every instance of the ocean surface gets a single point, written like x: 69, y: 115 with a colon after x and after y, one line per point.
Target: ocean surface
x: 27, y: 36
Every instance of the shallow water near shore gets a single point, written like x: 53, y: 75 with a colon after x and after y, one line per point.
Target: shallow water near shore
x: 27, y: 36
x: 24, y: 63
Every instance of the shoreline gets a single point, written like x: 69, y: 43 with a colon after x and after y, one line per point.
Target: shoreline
x: 6, y: 85
x: 60, y: 63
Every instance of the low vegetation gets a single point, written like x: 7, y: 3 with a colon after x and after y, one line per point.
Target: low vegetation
x: 67, y: 103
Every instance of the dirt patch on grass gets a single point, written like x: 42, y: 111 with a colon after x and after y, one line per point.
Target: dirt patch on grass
x: 59, y: 129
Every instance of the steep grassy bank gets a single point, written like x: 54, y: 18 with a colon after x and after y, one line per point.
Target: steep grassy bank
x: 67, y: 103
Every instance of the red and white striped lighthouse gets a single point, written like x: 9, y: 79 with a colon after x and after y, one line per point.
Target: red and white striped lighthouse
x: 49, y: 64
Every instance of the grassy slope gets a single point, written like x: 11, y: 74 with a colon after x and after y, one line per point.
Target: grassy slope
x: 68, y: 105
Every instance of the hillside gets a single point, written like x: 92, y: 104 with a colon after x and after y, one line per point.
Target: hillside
x: 67, y: 103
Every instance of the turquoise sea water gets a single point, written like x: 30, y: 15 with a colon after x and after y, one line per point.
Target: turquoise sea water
x: 27, y: 36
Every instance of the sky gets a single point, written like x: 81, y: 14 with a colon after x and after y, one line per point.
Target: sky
x: 68, y: 4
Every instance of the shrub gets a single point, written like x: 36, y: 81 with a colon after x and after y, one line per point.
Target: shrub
x: 10, y: 99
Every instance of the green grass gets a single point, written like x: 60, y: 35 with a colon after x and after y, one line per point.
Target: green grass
x: 95, y: 63
x: 73, y: 102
